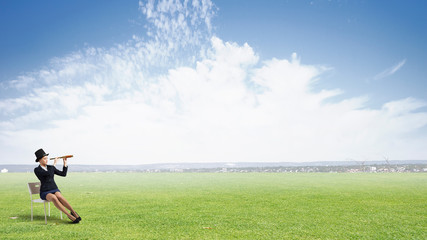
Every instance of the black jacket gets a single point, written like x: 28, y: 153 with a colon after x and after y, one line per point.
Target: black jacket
x: 46, y: 177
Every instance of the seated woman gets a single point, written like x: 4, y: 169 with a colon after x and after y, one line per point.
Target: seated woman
x: 48, y: 189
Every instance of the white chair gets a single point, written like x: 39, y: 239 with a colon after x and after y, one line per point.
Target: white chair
x: 34, y: 188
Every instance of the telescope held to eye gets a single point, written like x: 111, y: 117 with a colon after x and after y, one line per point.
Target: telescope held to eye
x: 66, y: 156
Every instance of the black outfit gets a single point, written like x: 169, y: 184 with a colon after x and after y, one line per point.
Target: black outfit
x: 48, y: 185
x: 46, y: 177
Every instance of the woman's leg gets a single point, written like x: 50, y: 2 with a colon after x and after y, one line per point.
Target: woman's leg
x: 65, y: 203
x: 52, y: 198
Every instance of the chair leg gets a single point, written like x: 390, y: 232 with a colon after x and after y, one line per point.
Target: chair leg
x: 45, y: 217
x: 31, y: 210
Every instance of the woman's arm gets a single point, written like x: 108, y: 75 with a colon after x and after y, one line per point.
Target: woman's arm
x: 64, y: 169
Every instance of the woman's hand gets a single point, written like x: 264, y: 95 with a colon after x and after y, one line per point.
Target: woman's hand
x: 65, y: 162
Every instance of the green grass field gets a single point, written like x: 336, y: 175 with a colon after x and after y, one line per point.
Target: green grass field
x: 222, y: 206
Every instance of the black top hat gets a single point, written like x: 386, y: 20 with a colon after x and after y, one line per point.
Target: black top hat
x: 40, y: 154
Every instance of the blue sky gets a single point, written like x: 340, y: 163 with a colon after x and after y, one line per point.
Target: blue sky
x: 35, y: 32
x: 358, y: 39
x: 370, y: 55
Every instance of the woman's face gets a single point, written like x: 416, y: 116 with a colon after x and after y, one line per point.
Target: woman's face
x: 44, y: 160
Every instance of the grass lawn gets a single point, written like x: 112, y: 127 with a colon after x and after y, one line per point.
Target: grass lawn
x: 222, y: 206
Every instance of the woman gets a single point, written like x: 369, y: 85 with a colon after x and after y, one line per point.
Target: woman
x: 48, y: 189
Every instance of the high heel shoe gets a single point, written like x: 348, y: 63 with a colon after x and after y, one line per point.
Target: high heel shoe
x: 77, y: 218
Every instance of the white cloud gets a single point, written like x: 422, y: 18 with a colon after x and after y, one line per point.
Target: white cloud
x: 113, y: 106
x: 173, y: 26
x: 390, y: 71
